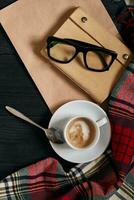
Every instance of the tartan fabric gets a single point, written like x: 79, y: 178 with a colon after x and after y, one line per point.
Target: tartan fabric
x: 121, y: 112
x: 111, y: 176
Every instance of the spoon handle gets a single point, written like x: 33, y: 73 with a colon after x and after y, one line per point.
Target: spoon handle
x: 22, y: 116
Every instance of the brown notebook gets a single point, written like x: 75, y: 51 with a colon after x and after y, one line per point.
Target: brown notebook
x: 28, y: 23
x: 96, y: 84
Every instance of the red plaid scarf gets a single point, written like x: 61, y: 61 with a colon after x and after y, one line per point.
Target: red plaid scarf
x: 126, y: 19
x: 111, y: 176
x: 121, y: 113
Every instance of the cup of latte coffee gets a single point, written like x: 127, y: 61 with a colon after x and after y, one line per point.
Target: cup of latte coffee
x: 81, y: 132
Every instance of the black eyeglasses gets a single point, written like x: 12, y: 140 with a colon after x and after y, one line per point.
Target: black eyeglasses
x: 65, y: 50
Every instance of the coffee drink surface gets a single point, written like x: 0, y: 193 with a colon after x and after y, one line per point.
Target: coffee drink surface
x: 81, y: 132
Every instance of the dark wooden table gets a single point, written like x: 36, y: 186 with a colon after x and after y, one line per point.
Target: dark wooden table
x: 20, y: 143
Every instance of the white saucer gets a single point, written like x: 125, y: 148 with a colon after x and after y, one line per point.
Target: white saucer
x: 85, y: 109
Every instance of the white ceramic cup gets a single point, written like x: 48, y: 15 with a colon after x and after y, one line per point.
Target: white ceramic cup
x: 97, y: 125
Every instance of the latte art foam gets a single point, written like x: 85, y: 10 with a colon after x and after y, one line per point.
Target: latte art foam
x: 80, y: 133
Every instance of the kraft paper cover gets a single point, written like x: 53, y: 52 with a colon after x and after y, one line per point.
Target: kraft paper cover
x: 97, y: 85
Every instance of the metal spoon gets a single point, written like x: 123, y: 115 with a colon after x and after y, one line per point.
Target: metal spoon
x: 54, y: 135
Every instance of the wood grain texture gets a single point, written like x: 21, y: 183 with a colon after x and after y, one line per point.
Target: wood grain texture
x: 20, y: 143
